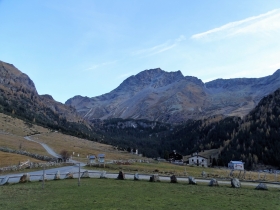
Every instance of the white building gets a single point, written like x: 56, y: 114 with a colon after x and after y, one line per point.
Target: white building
x: 236, y: 165
x: 198, y: 160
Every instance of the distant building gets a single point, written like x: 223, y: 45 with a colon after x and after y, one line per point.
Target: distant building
x: 134, y: 151
x: 92, y: 159
x: 198, y: 160
x: 101, y: 158
x: 236, y: 165
x: 174, y: 156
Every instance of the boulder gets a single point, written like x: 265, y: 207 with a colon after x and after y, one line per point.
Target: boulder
x: 213, y: 183
x: 235, y: 183
x: 173, y: 179
x: 192, y: 180
x: 24, y: 178
x: 103, y: 175
x: 69, y: 175
x: 261, y: 186
x: 57, y: 176
x: 4, y: 180
x: 121, y: 175
x: 136, y: 177
x: 154, y: 178
x: 85, y: 174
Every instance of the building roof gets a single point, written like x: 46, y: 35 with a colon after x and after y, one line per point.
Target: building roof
x: 236, y: 162
x: 198, y: 156
x: 101, y: 155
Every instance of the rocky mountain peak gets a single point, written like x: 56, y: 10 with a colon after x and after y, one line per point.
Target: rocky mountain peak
x: 47, y: 96
x: 152, y: 77
x: 13, y: 80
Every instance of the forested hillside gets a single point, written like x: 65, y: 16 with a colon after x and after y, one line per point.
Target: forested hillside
x: 155, y: 139
x: 257, y: 140
x: 211, y: 133
x: 254, y: 139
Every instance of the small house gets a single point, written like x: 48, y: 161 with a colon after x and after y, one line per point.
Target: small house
x: 101, y: 158
x: 198, y: 160
x: 174, y: 156
x: 236, y: 165
x: 92, y: 159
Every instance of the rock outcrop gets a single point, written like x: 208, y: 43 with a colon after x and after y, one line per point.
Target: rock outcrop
x: 261, y: 186
x: 121, y: 175
x: 173, y: 179
x: 24, y: 178
x: 154, y: 178
x: 235, y: 183
x: 192, y: 180
x: 213, y: 183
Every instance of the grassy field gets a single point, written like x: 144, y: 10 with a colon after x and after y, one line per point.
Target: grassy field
x: 128, y: 194
x: 170, y: 169
x: 8, y: 159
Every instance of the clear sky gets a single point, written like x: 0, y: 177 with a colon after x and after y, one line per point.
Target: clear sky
x: 88, y: 47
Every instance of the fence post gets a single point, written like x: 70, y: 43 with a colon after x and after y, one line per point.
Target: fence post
x: 79, y: 174
x: 43, y: 183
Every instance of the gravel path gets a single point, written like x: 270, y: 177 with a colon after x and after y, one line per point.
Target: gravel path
x: 46, y: 147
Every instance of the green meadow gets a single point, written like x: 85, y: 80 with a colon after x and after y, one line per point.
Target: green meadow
x: 107, y: 194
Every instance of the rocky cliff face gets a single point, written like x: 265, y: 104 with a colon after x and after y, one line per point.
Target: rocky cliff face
x: 171, y: 97
x: 18, y: 94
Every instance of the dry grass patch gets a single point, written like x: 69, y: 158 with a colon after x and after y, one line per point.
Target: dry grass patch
x: 10, y: 125
x: 59, y: 142
x: 15, y: 142
x: 12, y: 131
x: 160, y: 168
x: 8, y: 159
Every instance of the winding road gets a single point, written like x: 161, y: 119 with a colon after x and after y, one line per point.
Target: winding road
x: 46, y: 147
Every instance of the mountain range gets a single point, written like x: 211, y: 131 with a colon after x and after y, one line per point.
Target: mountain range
x: 170, y: 97
x: 143, y: 111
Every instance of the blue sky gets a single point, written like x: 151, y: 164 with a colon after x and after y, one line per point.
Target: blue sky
x: 88, y: 48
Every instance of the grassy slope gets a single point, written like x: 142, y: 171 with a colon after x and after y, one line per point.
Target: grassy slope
x: 8, y: 159
x: 12, y: 131
x: 128, y: 194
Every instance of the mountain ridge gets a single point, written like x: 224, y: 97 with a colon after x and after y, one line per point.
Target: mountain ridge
x: 171, y: 97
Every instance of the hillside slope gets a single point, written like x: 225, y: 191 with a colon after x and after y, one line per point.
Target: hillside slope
x: 19, y: 98
x: 257, y: 139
